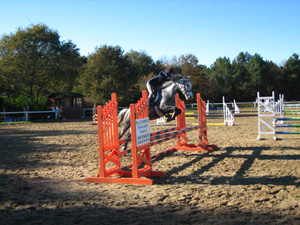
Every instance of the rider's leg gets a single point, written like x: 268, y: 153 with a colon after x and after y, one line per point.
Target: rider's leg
x: 151, y: 95
x: 150, y: 90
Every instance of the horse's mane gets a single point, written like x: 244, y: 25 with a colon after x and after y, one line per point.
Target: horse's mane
x: 175, y: 78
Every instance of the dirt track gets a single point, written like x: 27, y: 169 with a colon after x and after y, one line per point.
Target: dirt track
x: 245, y: 181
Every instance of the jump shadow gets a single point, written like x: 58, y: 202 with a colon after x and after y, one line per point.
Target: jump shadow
x: 240, y: 177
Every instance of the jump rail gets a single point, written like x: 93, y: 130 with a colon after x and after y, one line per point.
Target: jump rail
x: 110, y: 169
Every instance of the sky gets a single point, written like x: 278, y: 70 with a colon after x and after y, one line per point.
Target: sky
x: 165, y: 28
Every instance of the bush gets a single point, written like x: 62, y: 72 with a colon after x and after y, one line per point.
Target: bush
x: 17, y: 104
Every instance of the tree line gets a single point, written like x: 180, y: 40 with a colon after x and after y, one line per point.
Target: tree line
x: 34, y: 63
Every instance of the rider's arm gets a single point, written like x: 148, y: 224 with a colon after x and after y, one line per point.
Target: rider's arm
x: 159, y: 79
x: 163, y: 74
x: 154, y: 81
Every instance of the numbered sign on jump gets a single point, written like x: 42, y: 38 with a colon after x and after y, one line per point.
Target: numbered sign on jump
x: 142, y: 131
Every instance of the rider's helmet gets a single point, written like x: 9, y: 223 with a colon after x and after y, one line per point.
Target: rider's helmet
x: 169, y: 71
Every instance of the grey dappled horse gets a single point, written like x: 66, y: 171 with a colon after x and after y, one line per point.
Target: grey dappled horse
x: 163, y: 103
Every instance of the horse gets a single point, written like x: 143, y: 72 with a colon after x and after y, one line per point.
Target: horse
x: 163, y: 103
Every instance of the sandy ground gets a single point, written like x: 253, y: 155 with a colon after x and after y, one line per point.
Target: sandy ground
x: 43, y: 167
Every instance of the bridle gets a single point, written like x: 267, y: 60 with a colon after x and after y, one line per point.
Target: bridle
x: 185, y: 91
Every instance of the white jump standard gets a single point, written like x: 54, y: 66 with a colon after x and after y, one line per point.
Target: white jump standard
x: 268, y: 112
x: 266, y: 116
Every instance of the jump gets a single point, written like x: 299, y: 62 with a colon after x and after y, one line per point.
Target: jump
x: 163, y: 103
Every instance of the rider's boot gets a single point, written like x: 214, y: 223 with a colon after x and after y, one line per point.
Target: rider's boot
x: 151, y: 99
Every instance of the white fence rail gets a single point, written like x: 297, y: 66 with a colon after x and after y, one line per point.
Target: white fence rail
x: 26, y: 114
x: 211, y: 105
x: 11, y: 116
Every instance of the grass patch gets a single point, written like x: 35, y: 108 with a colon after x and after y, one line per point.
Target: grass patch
x: 14, y: 123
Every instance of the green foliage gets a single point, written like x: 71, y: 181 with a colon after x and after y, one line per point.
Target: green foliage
x: 239, y: 79
x: 291, y: 77
x: 188, y: 66
x: 141, y: 62
x: 14, y: 123
x: 108, y: 70
x: 221, y: 79
x: 17, y: 104
x: 248, y: 74
x: 35, y: 63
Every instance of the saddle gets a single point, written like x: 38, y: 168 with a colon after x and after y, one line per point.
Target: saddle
x: 158, y: 92
x: 156, y: 96
x: 154, y: 103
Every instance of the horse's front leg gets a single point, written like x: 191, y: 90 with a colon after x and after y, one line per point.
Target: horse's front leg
x: 171, y: 109
x: 175, y: 113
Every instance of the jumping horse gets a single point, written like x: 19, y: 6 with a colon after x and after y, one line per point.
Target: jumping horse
x: 163, y: 103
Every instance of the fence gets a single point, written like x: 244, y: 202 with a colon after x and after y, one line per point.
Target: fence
x: 24, y: 115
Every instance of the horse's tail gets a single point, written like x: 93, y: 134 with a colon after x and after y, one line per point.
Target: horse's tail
x: 121, y: 115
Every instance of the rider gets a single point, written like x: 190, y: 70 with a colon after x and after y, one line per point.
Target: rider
x: 162, y: 77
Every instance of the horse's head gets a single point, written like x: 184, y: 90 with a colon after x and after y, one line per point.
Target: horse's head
x: 185, y: 86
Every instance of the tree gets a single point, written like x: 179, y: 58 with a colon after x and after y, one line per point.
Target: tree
x: 33, y: 62
x: 68, y: 68
x: 290, y: 78
x: 221, y: 79
x: 257, y: 70
x: 108, y: 70
x: 271, y: 79
x: 188, y: 66
x: 264, y: 76
x: 241, y: 76
x: 141, y: 62
x: 144, y: 65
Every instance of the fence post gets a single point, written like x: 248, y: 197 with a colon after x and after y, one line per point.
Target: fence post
x: 207, y: 107
x: 83, y: 114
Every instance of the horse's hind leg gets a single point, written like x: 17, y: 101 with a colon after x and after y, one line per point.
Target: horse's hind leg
x: 125, y: 126
x: 126, y: 144
x: 121, y: 134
